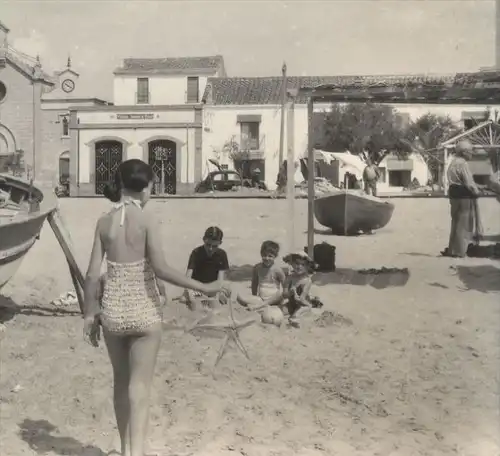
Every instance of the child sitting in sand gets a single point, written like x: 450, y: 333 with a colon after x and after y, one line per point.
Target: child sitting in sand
x: 207, y: 263
x: 297, y: 287
x: 267, y: 280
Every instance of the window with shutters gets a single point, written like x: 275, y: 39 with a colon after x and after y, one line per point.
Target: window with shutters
x: 142, y: 91
x: 249, y: 135
x: 193, y: 89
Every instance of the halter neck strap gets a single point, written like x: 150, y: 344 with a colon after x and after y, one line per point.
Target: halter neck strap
x: 121, y: 205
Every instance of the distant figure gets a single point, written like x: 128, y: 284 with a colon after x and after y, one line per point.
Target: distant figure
x: 463, y: 193
x: 371, y: 175
x: 281, y: 179
x: 256, y: 181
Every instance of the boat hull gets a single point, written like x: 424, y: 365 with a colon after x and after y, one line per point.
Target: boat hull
x: 350, y: 212
x: 18, y: 235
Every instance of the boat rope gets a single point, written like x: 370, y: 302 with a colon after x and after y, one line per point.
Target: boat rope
x: 24, y: 247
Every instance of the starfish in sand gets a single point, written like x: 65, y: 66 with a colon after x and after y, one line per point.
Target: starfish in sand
x: 232, y: 329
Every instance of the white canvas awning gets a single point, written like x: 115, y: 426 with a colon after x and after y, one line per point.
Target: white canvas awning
x: 348, y: 162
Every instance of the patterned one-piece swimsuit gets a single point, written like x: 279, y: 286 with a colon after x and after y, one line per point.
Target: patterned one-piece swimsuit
x: 131, y: 300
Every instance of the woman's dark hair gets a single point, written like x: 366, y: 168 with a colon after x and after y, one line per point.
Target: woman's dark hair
x: 270, y: 247
x: 213, y: 233
x: 133, y: 175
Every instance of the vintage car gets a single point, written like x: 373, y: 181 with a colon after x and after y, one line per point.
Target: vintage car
x: 221, y: 181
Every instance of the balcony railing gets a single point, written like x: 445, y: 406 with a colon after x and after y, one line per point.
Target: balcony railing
x: 142, y: 98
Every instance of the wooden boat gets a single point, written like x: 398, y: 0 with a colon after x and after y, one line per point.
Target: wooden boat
x: 23, y: 210
x: 351, y: 211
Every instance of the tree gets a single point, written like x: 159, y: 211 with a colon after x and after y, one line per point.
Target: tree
x: 426, y: 134
x: 365, y: 129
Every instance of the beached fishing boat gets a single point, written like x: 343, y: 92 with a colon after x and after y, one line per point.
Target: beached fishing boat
x: 23, y: 210
x: 351, y: 211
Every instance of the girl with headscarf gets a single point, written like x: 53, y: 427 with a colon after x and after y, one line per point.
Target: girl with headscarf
x: 463, y: 194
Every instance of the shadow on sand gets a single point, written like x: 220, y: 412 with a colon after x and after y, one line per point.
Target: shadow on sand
x: 9, y: 309
x: 484, y: 278
x: 330, y: 232
x: 418, y: 254
x: 342, y: 276
x: 377, y: 280
x: 38, y: 435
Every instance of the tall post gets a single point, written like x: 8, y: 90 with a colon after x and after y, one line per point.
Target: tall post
x: 290, y: 168
x: 310, y: 177
x: 283, y: 106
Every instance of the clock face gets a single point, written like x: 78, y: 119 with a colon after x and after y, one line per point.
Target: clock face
x: 68, y: 85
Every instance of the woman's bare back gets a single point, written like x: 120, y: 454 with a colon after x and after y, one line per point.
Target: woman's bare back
x: 124, y: 243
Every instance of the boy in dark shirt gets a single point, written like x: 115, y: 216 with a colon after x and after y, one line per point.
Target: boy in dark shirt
x: 207, y: 263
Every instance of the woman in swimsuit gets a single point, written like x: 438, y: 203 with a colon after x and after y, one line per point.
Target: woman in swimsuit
x: 130, y: 309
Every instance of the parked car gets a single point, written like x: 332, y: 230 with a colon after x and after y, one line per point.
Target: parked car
x: 221, y: 181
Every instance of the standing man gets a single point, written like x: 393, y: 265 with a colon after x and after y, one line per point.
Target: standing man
x: 371, y: 175
x: 463, y: 194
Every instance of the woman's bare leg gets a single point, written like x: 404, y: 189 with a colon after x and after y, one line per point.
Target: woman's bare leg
x: 118, y: 350
x: 143, y: 353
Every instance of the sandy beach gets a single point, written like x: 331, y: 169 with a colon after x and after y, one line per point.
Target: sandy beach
x: 392, y: 368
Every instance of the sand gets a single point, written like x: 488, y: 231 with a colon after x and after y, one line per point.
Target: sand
x: 391, y: 370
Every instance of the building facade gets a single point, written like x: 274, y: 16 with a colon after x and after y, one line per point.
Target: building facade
x: 34, y: 113
x: 22, y: 84
x: 242, y: 117
x: 156, y: 117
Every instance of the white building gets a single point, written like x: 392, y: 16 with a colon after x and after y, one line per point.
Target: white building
x: 247, y: 112
x: 156, y: 117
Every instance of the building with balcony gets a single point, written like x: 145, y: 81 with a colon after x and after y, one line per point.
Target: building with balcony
x: 156, y: 116
x: 241, y: 123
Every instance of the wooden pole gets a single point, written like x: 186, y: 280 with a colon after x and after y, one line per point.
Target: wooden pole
x: 290, y: 181
x: 62, y: 236
x: 283, y: 105
x: 310, y: 178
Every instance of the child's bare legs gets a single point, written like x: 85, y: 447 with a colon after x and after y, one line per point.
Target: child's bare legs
x: 118, y: 350
x: 256, y: 303
x: 295, y: 317
x: 275, y: 300
x: 143, y: 354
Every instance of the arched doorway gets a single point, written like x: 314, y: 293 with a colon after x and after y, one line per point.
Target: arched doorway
x: 108, y: 156
x: 162, y: 158
x: 64, y: 168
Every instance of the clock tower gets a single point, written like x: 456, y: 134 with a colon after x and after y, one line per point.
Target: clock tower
x: 67, y: 81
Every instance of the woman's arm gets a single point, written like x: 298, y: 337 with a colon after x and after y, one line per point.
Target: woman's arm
x: 92, y: 285
x: 162, y: 269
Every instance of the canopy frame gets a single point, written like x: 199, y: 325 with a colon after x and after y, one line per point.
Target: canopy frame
x: 481, y: 88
